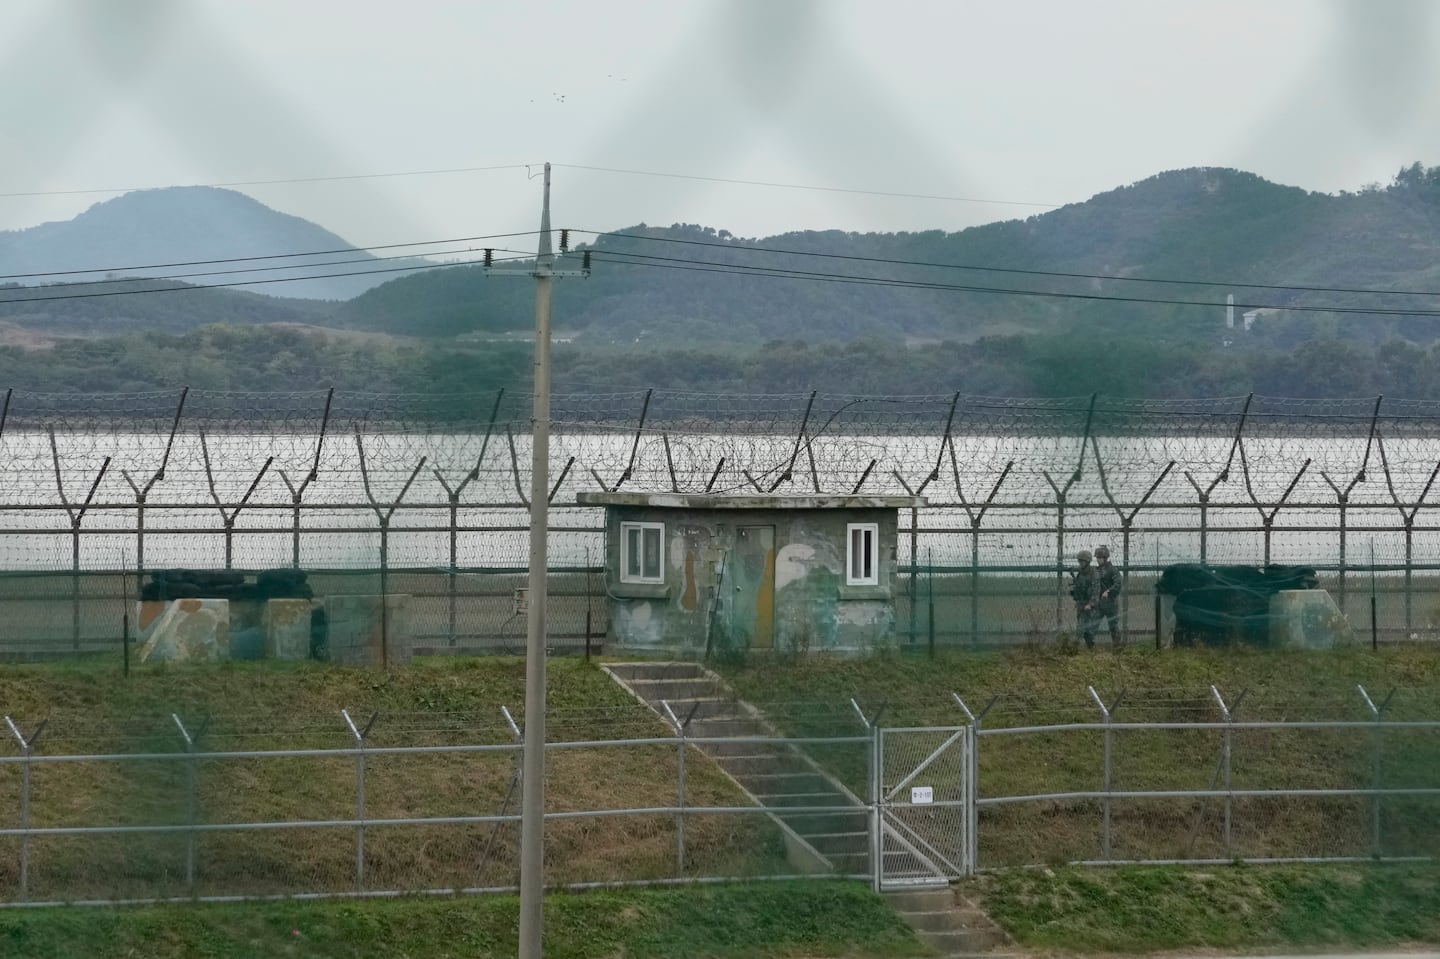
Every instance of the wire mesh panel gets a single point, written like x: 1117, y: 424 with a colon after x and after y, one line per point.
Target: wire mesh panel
x: 1013, y: 489
x: 923, y: 817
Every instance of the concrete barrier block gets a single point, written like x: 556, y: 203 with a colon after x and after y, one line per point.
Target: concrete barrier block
x: 287, y: 628
x: 184, y: 630
x: 1307, y: 619
x: 369, y: 629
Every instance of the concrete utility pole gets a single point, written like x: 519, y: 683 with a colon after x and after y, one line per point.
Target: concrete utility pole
x: 532, y: 783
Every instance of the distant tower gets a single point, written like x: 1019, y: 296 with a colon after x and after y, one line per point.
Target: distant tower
x: 1230, y: 311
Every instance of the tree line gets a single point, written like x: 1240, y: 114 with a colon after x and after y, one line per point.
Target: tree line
x: 1075, y: 362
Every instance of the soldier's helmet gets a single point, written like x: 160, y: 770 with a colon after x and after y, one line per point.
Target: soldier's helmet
x: 1083, y: 556
x: 1102, y: 552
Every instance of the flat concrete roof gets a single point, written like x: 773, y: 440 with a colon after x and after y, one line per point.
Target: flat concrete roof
x: 725, y: 501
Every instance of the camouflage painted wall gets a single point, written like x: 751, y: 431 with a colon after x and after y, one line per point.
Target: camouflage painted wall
x: 751, y: 573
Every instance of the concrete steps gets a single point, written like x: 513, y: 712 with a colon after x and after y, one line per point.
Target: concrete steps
x: 834, y: 827
x: 778, y: 777
x: 950, y: 924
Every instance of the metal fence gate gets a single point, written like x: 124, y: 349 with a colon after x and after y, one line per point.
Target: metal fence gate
x: 922, y: 819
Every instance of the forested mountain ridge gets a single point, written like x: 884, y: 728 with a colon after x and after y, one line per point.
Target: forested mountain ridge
x: 1220, y: 229
x: 684, y: 307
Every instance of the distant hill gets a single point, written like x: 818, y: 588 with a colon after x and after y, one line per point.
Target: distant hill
x: 1224, y: 228
x: 135, y: 234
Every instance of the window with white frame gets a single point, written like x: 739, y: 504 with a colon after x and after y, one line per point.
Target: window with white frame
x: 640, y: 552
x: 862, y: 554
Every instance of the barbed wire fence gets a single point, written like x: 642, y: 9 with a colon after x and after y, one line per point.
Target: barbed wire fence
x: 426, y: 496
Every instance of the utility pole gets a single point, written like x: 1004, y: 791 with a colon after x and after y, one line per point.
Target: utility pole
x: 532, y: 783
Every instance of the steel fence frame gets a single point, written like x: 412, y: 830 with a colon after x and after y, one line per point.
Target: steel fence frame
x: 978, y: 801
x: 105, y: 481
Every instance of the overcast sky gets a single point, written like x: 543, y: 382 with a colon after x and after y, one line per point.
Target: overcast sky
x: 989, y: 110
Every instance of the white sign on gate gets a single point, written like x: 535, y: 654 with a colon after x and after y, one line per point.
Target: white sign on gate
x: 922, y: 795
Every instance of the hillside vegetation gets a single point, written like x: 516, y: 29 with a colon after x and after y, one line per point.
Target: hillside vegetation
x: 1122, y: 294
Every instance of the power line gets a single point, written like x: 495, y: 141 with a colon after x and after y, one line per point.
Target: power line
x: 6, y: 300
x: 303, y: 179
x: 806, y: 186
x: 1011, y: 270
x: 704, y: 266
x: 428, y: 265
x: 267, y: 256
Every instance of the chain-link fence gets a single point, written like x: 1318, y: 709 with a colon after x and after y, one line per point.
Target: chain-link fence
x: 1199, y: 776
x: 169, y: 808
x: 164, y: 807
x: 425, y: 497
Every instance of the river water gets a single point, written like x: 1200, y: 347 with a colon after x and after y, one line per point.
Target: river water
x: 1006, y: 487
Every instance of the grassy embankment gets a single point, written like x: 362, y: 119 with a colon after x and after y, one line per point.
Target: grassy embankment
x: 1078, y: 910
x: 1064, y: 910
x: 754, y: 921
x: 1073, y: 910
x: 267, y: 706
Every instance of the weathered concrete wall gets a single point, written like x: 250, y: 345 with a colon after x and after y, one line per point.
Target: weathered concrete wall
x: 287, y: 624
x: 367, y: 630
x: 736, y: 578
x: 183, y: 630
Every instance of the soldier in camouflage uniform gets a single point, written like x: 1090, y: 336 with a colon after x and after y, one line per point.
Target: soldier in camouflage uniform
x: 1108, y: 584
x: 1085, y: 591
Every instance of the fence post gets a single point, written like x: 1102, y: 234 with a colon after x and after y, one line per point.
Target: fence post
x: 382, y: 517
x: 971, y: 854
x: 1127, y: 524
x: 509, y: 794
x: 1377, y: 713
x: 930, y: 613
x: 228, y: 516
x: 192, y: 796
x: 297, y: 493
x: 1108, y: 712
x: 360, y: 737
x: 876, y: 788
x: 681, y: 726
x: 977, y: 516
x: 1227, y: 712
x: 27, y: 748
x: 77, y: 516
x: 1408, y: 516
x: 1267, y: 520
x: 1060, y: 562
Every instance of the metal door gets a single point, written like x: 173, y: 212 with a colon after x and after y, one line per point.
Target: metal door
x: 922, y: 818
x: 752, y: 571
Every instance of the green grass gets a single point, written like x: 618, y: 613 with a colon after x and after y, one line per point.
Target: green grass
x: 1146, y: 909
x: 733, y: 921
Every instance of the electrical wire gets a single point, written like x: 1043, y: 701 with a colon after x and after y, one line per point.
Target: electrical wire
x: 703, y: 266
x: 427, y: 265
x: 706, y: 266
x: 267, y: 256
x: 6, y: 300
x: 1013, y: 270
x: 710, y: 266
